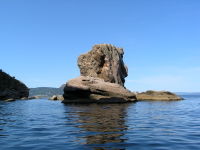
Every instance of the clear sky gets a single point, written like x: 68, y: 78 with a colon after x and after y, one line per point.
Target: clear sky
x: 40, y: 40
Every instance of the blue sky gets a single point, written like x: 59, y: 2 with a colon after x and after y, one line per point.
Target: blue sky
x: 40, y: 40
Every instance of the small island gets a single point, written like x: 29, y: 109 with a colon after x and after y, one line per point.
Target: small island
x: 158, y: 96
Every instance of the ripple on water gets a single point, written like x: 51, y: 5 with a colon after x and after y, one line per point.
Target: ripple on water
x: 43, y: 124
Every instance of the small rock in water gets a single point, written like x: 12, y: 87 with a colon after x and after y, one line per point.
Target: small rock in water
x: 158, y: 95
x: 10, y: 100
x: 57, y: 97
x: 34, y: 97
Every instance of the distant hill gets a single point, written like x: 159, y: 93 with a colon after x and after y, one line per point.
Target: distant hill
x: 45, y: 91
x: 188, y: 93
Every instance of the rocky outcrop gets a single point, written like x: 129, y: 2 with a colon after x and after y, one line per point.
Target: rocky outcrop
x: 95, y: 90
x: 158, y: 96
x: 104, y: 61
x: 102, y: 78
x: 10, y: 88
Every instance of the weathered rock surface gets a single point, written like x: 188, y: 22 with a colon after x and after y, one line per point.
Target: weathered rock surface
x: 57, y: 97
x: 104, y: 61
x: 158, y: 96
x: 95, y: 90
x: 10, y: 88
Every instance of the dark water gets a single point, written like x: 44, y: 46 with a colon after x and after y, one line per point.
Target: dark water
x: 43, y: 124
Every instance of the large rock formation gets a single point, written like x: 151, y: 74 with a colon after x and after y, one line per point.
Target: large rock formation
x: 104, y: 61
x: 102, y: 78
x: 95, y: 90
x: 158, y: 96
x: 10, y: 88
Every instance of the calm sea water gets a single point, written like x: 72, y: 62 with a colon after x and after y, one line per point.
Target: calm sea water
x: 43, y: 124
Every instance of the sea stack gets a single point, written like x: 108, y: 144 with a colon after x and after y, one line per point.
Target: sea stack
x: 11, y: 88
x: 102, y: 78
x: 104, y: 61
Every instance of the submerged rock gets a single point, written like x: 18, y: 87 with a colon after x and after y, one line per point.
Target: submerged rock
x: 104, y: 61
x: 158, y: 95
x: 95, y: 90
x: 10, y: 88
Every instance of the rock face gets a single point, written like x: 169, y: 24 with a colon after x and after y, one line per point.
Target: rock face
x: 10, y: 88
x: 95, y: 90
x: 158, y: 96
x: 104, y: 61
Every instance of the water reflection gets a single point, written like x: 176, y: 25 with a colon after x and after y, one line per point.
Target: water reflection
x: 43, y: 124
x: 103, y: 125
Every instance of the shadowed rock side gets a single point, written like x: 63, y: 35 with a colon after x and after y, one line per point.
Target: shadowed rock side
x: 10, y: 88
x: 104, y: 61
x: 158, y: 95
x: 95, y: 90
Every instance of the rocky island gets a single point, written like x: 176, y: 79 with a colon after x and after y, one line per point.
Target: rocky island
x: 158, y: 96
x: 102, y: 79
x: 11, y: 88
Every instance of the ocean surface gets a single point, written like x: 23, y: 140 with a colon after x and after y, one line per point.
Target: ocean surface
x: 50, y: 125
